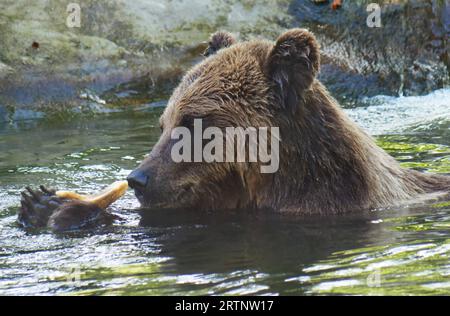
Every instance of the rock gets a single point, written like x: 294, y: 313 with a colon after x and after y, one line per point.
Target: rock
x: 89, y: 95
x: 4, y: 116
x: 147, y: 45
x: 117, y: 42
x: 5, y: 70
x: 24, y: 114
x: 407, y: 54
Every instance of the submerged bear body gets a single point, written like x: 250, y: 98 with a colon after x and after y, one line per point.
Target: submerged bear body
x: 327, y: 164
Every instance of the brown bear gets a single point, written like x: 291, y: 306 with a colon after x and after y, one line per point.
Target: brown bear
x: 327, y: 164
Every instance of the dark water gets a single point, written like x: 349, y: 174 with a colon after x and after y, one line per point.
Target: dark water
x: 395, y: 251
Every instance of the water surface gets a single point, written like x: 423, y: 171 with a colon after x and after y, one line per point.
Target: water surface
x: 392, y: 251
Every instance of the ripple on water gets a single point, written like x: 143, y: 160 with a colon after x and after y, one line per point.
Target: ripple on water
x: 385, y: 114
x: 416, y: 264
x: 395, y: 251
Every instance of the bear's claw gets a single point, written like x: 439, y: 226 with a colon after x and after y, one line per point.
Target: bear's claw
x: 37, y: 206
x: 66, y: 210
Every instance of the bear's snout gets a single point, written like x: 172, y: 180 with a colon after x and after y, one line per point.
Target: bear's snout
x: 138, y: 180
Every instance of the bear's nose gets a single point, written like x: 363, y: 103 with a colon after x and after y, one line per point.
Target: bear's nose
x: 137, y: 179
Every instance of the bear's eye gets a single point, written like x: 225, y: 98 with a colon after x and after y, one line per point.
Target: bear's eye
x: 187, y: 121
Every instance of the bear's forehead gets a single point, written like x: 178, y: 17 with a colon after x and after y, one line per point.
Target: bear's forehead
x: 232, y: 77
x: 233, y: 73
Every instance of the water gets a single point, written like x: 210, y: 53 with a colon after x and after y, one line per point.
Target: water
x: 393, y: 251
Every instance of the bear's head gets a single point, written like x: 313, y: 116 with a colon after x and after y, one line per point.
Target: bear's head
x: 250, y: 85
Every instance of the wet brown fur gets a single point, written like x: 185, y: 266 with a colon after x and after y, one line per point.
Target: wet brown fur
x: 327, y: 163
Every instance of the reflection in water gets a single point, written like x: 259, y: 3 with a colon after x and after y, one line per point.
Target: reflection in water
x: 394, y: 251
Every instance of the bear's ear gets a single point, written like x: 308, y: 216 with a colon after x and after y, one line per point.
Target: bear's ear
x: 218, y: 41
x: 293, y: 63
